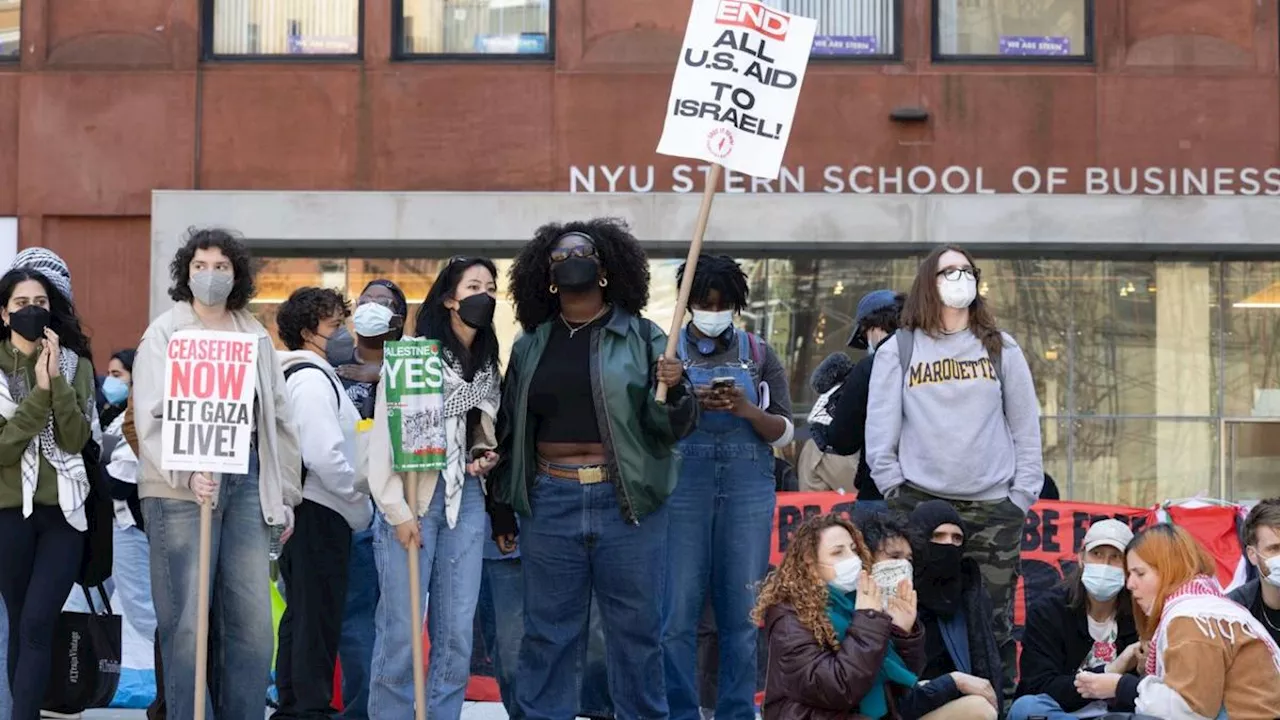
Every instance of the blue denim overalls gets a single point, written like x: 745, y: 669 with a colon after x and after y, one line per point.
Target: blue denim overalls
x: 721, y: 515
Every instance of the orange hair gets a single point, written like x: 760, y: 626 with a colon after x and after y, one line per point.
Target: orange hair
x: 1177, y: 559
x: 796, y: 581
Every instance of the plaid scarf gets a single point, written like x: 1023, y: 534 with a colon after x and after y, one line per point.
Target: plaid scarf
x: 460, y: 397
x: 73, y: 480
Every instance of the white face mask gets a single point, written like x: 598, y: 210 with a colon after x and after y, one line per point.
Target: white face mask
x: 848, y: 570
x: 1273, y: 570
x: 958, y: 293
x: 712, y: 324
x: 888, y: 574
x: 1102, y: 582
x: 373, y: 320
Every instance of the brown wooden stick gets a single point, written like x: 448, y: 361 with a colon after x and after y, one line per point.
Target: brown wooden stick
x: 690, y: 264
x: 202, y: 606
x: 415, y: 611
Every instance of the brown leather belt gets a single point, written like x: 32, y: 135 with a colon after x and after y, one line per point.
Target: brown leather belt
x: 587, y: 475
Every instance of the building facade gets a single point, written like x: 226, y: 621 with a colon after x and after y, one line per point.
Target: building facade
x: 1113, y: 165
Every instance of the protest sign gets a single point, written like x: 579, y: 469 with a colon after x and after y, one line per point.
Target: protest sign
x: 413, y: 375
x: 736, y: 85
x: 209, y: 381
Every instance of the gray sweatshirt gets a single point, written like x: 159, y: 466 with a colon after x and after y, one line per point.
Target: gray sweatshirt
x: 950, y: 427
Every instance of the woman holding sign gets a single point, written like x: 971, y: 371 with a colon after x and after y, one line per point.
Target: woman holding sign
x: 212, y: 285
x: 46, y: 396
x: 446, y: 529
x: 589, y: 463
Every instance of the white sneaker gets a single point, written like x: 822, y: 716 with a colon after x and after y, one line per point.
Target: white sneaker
x: 52, y: 714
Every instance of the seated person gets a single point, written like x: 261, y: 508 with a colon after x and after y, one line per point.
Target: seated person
x: 1262, y: 547
x: 837, y: 646
x: 962, y: 660
x: 1208, y: 657
x: 1080, y: 643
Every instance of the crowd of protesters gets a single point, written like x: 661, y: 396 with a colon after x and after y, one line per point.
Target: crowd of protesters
x: 602, y: 525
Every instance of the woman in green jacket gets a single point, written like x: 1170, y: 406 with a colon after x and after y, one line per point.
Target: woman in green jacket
x: 588, y: 460
x: 46, y: 396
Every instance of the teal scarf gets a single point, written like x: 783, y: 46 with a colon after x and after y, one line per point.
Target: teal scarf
x: 875, y: 704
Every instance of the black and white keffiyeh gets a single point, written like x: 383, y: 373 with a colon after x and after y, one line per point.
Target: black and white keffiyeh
x: 460, y: 397
x: 73, y: 480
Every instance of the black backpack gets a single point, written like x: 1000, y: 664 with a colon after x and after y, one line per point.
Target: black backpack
x: 337, y: 394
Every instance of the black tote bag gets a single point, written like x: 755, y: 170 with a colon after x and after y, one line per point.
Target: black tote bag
x: 85, y: 671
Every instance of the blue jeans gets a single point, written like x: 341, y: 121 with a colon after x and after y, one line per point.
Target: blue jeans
x: 721, y: 518
x: 240, y: 635
x: 502, y: 624
x: 577, y: 543
x: 131, y: 568
x: 6, y: 703
x: 355, y: 649
x: 1029, y: 706
x: 451, y: 564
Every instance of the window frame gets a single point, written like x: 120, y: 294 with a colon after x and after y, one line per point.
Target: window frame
x: 207, y: 54
x: 893, y: 58
x: 399, y: 54
x: 938, y: 57
x: 10, y: 60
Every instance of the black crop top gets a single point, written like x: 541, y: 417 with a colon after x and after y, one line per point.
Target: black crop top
x: 560, y: 398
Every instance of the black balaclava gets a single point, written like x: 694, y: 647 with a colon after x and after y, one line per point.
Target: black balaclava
x: 938, y: 582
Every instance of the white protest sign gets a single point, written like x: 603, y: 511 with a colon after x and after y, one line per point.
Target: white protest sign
x: 209, y: 380
x: 736, y: 85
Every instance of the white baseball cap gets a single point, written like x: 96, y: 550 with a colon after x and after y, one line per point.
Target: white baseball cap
x: 1108, y: 532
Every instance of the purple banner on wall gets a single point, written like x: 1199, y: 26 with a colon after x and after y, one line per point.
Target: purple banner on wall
x: 1034, y: 45
x: 846, y: 45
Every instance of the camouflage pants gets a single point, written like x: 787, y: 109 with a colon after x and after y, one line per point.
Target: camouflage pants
x: 993, y: 539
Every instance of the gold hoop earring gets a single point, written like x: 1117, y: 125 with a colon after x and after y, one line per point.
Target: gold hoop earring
x: 554, y: 289
x: 604, y: 282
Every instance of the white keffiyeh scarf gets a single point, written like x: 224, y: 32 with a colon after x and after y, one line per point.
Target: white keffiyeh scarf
x: 73, y: 480
x: 483, y: 392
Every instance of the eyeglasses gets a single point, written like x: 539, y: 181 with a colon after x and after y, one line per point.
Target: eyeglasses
x: 953, y: 273
x: 582, y: 251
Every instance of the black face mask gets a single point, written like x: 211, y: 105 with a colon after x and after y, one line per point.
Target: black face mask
x: 30, y: 322
x: 477, y: 311
x: 938, y: 581
x: 576, y: 274
x: 341, y: 348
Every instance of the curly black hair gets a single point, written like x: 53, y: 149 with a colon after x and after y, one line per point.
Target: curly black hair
x: 624, y: 263
x: 236, y: 251
x: 305, y: 309
x: 62, y: 320
x: 721, y: 273
x: 879, y: 528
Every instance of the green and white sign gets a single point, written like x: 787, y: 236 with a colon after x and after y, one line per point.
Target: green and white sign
x: 413, y: 376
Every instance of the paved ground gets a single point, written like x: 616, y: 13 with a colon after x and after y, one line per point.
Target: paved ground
x: 472, y: 711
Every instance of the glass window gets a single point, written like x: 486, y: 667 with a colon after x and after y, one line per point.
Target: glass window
x: 1251, y: 338
x: 1144, y: 338
x: 1028, y: 298
x: 1141, y: 462
x: 304, y: 28
x: 475, y: 27
x: 1016, y: 30
x: 10, y: 29
x: 850, y: 28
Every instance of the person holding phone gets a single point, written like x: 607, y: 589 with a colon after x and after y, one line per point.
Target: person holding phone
x: 722, y: 507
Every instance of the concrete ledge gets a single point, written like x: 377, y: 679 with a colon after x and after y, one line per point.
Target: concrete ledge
x: 395, y: 223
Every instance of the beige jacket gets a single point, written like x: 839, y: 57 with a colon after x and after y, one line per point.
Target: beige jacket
x: 279, y: 457
x: 388, y: 487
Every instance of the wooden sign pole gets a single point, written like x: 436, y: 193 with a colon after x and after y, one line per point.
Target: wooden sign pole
x: 415, y: 611
x: 690, y: 264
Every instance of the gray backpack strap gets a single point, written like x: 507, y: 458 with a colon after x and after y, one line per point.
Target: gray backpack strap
x: 906, y: 347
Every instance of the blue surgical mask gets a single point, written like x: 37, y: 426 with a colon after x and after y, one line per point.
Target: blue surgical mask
x: 1103, y: 582
x: 115, y: 390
